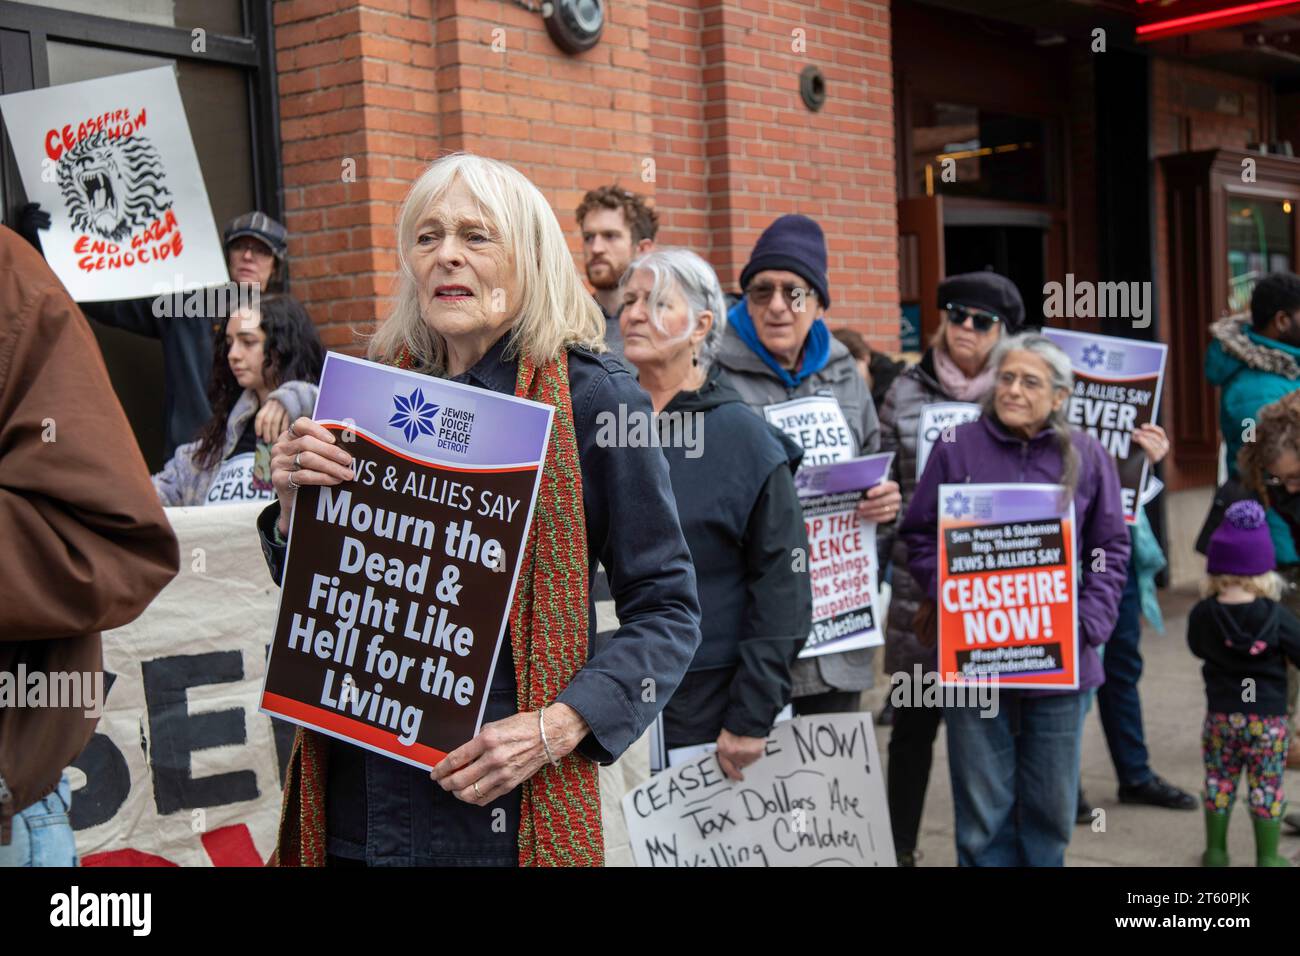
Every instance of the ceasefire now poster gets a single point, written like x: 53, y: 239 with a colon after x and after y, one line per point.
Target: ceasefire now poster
x: 398, y: 583
x: 112, y: 162
x: 1117, y: 386
x: 1007, y: 590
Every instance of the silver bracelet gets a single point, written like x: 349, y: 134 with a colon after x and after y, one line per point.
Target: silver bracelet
x: 541, y: 725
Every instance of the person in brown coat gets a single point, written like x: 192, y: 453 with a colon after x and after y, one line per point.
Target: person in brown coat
x: 85, y: 548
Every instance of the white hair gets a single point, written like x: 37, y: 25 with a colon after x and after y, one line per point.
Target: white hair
x: 684, y: 272
x: 555, y: 310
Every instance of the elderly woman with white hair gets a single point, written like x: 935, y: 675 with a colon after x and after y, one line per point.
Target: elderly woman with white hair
x: 733, y: 478
x: 1015, y: 773
x: 490, y: 296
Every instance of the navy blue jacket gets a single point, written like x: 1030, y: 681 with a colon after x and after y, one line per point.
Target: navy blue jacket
x: 187, y: 361
x: 387, y: 813
x: 734, y: 481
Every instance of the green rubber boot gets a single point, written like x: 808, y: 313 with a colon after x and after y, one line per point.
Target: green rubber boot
x: 1216, y: 839
x: 1267, y: 833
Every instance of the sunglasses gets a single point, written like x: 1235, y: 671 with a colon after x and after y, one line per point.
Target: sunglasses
x: 983, y: 321
x: 794, y: 293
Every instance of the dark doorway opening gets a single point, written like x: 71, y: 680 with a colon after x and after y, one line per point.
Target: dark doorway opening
x: 1017, y: 252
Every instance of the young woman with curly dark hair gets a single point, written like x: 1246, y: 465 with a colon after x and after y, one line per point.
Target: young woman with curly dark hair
x: 266, y: 365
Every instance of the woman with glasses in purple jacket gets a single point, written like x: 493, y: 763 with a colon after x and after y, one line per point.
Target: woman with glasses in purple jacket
x: 1015, y: 772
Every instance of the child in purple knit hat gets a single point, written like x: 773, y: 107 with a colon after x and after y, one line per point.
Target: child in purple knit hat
x: 1244, y: 636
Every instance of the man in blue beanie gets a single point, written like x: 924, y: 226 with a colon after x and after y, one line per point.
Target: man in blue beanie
x: 777, y: 348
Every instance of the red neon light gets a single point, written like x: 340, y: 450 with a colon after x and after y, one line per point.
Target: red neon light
x: 1209, y: 19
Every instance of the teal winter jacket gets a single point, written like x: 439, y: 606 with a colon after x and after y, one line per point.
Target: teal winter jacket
x: 1252, y: 371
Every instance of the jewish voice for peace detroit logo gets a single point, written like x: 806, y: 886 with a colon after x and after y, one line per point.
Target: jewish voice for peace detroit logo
x: 1094, y: 357
x: 414, y: 415
x: 450, y: 426
x: 956, y: 505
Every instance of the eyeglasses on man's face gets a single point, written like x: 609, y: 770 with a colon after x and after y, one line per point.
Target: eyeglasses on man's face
x: 795, y: 294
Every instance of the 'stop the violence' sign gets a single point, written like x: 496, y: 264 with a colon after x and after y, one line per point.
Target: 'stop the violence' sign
x: 842, y: 553
x: 1116, y: 388
x: 112, y: 162
x: 398, y: 584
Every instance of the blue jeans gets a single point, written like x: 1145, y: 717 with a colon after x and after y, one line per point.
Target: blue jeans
x: 42, y: 833
x: 1117, y: 699
x: 1015, y: 779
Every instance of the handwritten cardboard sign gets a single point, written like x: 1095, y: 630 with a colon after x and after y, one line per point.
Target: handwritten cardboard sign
x: 815, y: 798
x: 398, y: 584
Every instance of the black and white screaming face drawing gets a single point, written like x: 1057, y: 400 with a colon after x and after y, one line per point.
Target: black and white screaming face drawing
x: 112, y: 187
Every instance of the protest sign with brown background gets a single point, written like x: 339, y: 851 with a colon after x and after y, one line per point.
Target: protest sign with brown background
x: 408, y: 570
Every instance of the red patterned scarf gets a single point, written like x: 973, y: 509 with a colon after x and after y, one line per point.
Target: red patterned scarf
x: 560, y: 822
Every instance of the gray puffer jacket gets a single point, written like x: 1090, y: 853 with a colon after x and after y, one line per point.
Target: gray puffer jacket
x: 900, y: 416
x: 849, y: 670
x: 182, y: 482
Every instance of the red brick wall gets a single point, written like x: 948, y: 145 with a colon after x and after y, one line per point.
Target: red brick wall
x: 735, y: 147
x: 694, y: 103
x: 393, y: 84
x: 567, y: 122
x: 680, y: 131
x: 356, y: 83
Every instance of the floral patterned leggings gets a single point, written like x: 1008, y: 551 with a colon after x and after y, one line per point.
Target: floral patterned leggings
x: 1231, y: 743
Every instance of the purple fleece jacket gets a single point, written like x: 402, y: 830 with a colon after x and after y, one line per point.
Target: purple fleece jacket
x: 982, y: 452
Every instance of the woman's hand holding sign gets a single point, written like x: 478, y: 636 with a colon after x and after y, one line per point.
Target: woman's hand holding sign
x: 1153, y: 440
x: 272, y: 420
x: 305, y: 454
x: 507, y: 752
x: 881, y: 504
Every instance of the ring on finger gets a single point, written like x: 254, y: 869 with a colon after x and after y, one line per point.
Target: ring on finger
x: 292, y: 433
x: 477, y: 792
x: 292, y: 482
x: 297, y: 461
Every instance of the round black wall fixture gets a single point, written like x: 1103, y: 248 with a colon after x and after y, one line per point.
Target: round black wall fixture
x: 812, y: 87
x: 574, y: 25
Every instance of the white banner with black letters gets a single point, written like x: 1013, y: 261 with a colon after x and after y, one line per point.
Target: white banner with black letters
x: 183, y: 769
